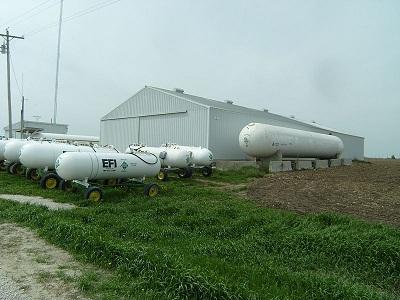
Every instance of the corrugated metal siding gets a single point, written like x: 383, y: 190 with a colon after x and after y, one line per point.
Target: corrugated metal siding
x: 148, y: 102
x: 119, y: 133
x: 183, y: 129
x: 159, y: 118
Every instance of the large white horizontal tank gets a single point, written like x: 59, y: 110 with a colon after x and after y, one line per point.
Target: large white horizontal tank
x: 93, y: 166
x: 174, y: 157
x: 262, y: 140
x: 64, y: 137
x: 12, y: 148
x: 43, y: 154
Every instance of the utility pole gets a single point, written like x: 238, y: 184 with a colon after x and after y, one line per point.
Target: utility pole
x: 5, y: 49
x: 58, y: 62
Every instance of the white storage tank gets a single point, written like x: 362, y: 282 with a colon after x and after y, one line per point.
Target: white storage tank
x: 262, y: 141
x: 93, y: 166
x: 200, y: 156
x: 44, y: 154
x: 170, y: 156
x: 12, y: 149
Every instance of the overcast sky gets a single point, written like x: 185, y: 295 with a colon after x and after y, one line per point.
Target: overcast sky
x: 334, y: 62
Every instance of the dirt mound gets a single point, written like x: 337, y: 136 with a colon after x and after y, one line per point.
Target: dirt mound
x: 369, y: 191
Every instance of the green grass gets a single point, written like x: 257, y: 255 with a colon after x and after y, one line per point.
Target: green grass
x: 192, y: 242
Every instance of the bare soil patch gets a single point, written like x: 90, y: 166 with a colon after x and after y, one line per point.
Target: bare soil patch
x: 37, y: 269
x: 369, y: 191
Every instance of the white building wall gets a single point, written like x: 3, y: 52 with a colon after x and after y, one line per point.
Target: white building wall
x: 119, y: 132
x: 154, y: 118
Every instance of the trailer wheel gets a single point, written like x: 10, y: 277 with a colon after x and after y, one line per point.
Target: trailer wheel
x: 110, y: 181
x: 185, y: 172
x: 66, y: 186
x: 93, y: 193
x: 3, y: 165
x: 9, y: 168
x: 50, y: 181
x: 32, y: 174
x: 162, y: 175
x: 18, y: 169
x: 151, y: 189
x: 207, y: 171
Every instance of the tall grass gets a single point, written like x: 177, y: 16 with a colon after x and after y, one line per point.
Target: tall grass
x: 192, y: 242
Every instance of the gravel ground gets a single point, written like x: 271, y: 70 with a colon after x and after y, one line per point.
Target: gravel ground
x: 9, y: 290
x: 30, y: 268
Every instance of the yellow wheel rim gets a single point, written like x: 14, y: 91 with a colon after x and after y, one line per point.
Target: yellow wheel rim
x: 94, y: 196
x: 20, y: 170
x: 35, y: 176
x: 160, y: 175
x: 51, y: 183
x: 153, y: 191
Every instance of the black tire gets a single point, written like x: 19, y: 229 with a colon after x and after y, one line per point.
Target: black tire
x: 93, y: 193
x: 151, y: 189
x: 162, y: 175
x: 32, y: 174
x: 185, y: 172
x: 50, y: 181
x: 18, y: 169
x: 66, y: 186
x: 206, y: 171
x: 9, y: 168
x: 3, y: 165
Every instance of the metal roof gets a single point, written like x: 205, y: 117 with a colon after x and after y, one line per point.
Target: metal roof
x: 211, y: 103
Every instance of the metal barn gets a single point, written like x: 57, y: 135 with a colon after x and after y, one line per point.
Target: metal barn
x: 155, y: 116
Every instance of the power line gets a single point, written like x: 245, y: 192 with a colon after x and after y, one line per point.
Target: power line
x: 27, y: 13
x: 15, y: 76
x: 74, y: 16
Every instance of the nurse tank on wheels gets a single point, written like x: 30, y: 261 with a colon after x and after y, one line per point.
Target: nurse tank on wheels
x: 80, y: 168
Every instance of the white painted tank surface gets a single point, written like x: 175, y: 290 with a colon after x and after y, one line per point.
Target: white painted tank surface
x: 64, y: 137
x: 2, y: 148
x: 96, y: 165
x: 173, y: 157
x: 262, y: 140
x: 12, y: 148
x: 200, y: 156
x: 43, y: 154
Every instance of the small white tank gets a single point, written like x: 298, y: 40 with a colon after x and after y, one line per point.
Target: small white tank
x: 2, y: 148
x: 12, y: 148
x: 96, y: 165
x: 43, y: 154
x: 200, y: 156
x: 262, y: 140
x: 174, y: 157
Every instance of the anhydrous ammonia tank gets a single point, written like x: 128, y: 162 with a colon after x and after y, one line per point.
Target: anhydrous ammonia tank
x: 200, y: 156
x: 174, y: 157
x: 12, y: 148
x: 44, y: 154
x: 262, y: 140
x: 2, y: 148
x: 64, y: 137
x: 93, y: 166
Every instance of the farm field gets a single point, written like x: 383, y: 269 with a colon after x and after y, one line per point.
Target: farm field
x: 369, y: 191
x: 244, y: 234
